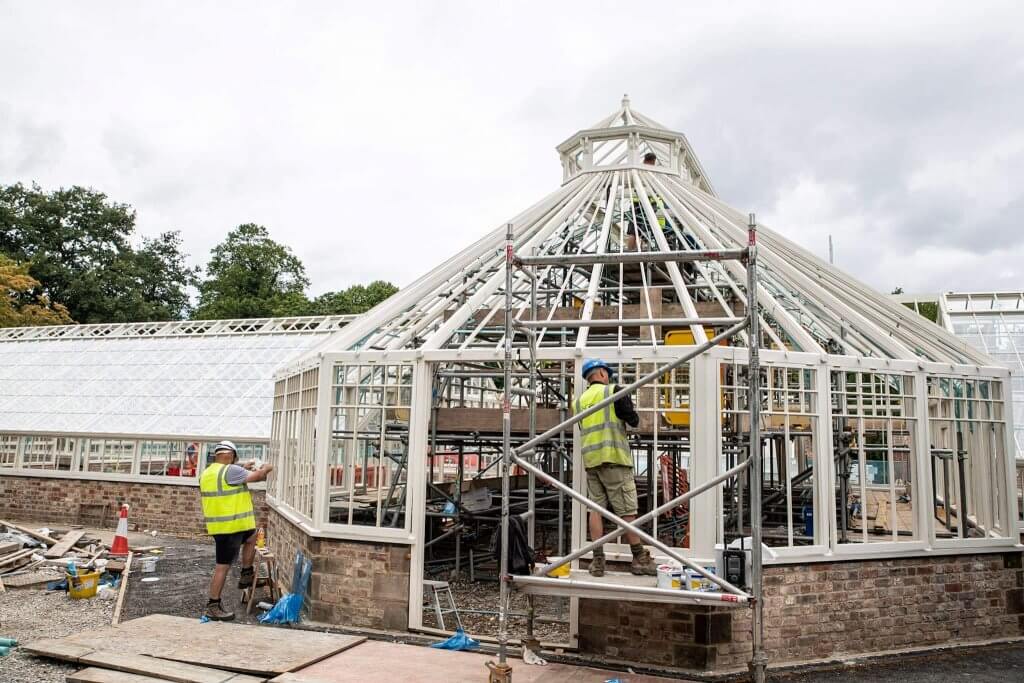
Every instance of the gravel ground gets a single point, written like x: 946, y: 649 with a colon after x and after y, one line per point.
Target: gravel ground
x: 483, y: 596
x: 30, y: 614
x: 183, y: 572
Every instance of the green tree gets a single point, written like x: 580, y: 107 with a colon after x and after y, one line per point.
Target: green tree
x: 18, y: 306
x: 252, y: 276
x: 78, y: 245
x: 355, y: 299
x: 153, y: 280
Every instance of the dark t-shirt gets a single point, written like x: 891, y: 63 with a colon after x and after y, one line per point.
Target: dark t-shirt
x: 625, y: 410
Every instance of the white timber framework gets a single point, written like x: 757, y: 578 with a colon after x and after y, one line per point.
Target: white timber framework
x: 142, y: 402
x: 881, y: 434
x: 992, y: 322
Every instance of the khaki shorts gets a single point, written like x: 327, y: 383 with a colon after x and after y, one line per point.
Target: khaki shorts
x: 613, y: 485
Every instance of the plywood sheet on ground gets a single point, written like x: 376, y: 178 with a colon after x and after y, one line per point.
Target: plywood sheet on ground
x: 380, y: 661
x: 93, y: 675
x: 164, y: 669
x: 260, y: 650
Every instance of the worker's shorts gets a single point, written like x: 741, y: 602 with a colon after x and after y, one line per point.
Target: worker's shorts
x: 613, y: 485
x: 228, y: 545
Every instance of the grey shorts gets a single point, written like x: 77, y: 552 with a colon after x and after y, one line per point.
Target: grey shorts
x: 614, y: 486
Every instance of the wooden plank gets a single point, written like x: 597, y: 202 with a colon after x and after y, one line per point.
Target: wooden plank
x: 14, y: 557
x: 57, y: 648
x: 240, y: 648
x: 93, y: 675
x: 28, y: 532
x: 489, y: 419
x: 122, y: 588
x: 32, y: 578
x: 7, y: 548
x: 65, y: 544
x: 164, y: 669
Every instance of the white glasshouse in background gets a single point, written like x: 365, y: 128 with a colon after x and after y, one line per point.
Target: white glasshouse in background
x: 141, y: 401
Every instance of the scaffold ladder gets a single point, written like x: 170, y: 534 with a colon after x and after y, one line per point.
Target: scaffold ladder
x: 540, y: 582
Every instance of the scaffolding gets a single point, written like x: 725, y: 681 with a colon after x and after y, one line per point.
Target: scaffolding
x: 540, y: 582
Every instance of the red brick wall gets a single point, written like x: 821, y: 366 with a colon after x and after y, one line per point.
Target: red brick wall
x: 353, y: 583
x: 818, y: 611
x: 168, y: 508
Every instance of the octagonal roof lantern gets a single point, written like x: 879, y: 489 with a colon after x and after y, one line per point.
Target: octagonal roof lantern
x: 623, y: 141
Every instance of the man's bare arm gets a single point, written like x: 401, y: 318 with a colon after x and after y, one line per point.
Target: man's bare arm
x: 260, y: 474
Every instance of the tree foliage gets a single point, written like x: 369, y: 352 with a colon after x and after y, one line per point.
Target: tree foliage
x: 355, y: 299
x: 252, y: 276
x: 78, y: 247
x: 19, y: 307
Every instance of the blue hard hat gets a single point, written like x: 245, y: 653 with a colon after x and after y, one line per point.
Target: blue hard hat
x: 592, y: 364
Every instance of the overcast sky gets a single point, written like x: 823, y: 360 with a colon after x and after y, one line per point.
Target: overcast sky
x: 377, y: 142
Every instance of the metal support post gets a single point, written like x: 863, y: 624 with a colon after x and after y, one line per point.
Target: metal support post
x: 503, y: 669
x: 758, y: 660
x: 628, y: 322
x: 633, y: 257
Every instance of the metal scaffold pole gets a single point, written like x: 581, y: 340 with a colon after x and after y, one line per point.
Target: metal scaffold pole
x: 502, y: 672
x: 758, y: 660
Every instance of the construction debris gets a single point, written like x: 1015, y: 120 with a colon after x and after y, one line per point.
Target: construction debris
x: 29, y: 556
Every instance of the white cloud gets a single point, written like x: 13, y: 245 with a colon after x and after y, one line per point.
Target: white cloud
x: 377, y: 141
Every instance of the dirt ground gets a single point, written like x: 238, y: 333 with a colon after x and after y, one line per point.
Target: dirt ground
x: 183, y: 580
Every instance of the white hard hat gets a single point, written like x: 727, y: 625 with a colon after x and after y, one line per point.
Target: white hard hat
x: 225, y: 446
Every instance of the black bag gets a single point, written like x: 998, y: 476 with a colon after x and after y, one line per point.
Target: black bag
x: 521, y: 557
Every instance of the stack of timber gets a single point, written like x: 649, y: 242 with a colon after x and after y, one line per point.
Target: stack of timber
x: 31, y: 556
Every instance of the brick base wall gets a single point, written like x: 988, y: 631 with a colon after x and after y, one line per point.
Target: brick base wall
x: 354, y: 583
x: 168, y: 508
x: 818, y: 611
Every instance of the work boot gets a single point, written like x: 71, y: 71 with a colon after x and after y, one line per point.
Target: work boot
x: 643, y: 564
x: 247, y: 577
x: 597, y: 566
x: 216, y: 612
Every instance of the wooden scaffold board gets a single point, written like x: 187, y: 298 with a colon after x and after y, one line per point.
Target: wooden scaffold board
x: 258, y: 650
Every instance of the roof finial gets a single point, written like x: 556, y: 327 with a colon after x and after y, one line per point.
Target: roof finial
x: 625, y: 101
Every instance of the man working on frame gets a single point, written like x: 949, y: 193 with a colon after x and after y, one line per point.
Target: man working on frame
x: 609, y: 463
x: 230, y: 519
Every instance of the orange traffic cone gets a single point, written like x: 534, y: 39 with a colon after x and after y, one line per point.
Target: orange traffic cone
x: 120, y: 547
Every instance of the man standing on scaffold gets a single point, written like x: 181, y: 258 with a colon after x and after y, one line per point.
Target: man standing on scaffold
x: 609, y: 463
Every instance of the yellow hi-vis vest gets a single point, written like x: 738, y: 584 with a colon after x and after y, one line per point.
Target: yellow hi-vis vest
x: 227, y: 508
x: 603, y: 433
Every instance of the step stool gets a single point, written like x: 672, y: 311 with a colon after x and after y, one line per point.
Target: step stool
x: 441, y: 590
x: 265, y: 568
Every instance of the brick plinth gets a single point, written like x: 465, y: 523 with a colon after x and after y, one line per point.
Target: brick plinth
x: 824, y: 610
x: 168, y: 508
x: 354, y: 583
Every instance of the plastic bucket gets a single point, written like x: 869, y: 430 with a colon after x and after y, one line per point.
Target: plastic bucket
x: 560, y: 572
x: 149, y: 565
x: 670, y: 576
x: 83, y: 585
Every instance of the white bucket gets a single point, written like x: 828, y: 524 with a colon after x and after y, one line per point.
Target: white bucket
x: 669, y: 576
x: 149, y: 564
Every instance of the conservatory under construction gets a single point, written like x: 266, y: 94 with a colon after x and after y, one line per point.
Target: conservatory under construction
x: 885, y: 458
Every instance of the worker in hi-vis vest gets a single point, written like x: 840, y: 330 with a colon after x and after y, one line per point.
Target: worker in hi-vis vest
x: 230, y: 519
x: 609, y: 463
